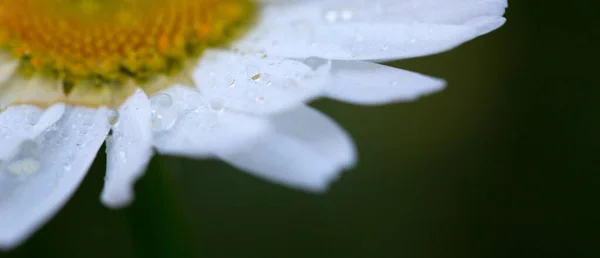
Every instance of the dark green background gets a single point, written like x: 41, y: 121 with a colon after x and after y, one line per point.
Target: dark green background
x: 503, y: 163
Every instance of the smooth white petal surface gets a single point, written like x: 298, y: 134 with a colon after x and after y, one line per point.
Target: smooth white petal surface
x: 305, y: 150
x: 128, y: 150
x: 19, y: 123
x: 371, y: 30
x: 259, y: 84
x: 318, y: 131
x: 204, y: 127
x: 367, y: 83
x: 38, y: 180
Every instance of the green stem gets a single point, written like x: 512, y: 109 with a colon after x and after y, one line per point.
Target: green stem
x: 157, y: 218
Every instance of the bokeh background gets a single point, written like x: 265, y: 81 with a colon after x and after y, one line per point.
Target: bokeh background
x: 503, y: 163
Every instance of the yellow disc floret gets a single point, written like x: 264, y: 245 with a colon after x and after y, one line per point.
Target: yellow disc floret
x: 96, y: 52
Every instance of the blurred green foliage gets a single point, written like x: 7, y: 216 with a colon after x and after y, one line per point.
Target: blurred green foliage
x: 503, y: 163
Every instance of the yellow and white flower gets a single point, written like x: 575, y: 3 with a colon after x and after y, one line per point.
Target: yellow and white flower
x: 227, y: 79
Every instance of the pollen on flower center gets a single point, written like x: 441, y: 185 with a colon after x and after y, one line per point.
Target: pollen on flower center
x: 92, y: 50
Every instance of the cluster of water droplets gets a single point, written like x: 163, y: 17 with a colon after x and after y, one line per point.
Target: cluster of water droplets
x: 356, y: 10
x: 54, y: 146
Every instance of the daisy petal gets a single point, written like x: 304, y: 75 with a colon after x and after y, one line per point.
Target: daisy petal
x: 305, y: 150
x: 259, y: 84
x: 19, y: 123
x: 204, y: 128
x: 318, y: 131
x: 373, y: 84
x: 41, y: 177
x: 371, y: 30
x: 128, y: 150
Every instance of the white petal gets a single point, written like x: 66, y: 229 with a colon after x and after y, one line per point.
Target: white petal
x: 128, y: 150
x: 305, y: 150
x: 371, y: 30
x: 318, y: 131
x: 19, y: 123
x: 39, y: 179
x: 204, y: 127
x: 259, y: 84
x: 372, y: 84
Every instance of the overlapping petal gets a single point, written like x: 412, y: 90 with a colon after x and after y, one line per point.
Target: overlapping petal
x: 38, y: 180
x: 367, y: 83
x: 371, y: 30
x: 205, y: 126
x: 19, y: 123
x: 305, y: 149
x: 128, y: 149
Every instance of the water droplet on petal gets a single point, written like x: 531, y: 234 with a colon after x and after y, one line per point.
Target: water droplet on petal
x: 217, y: 104
x: 32, y: 118
x: 331, y: 16
x: 256, y: 77
x: 161, y: 100
x: 164, y: 114
x: 112, y: 116
x: 265, y: 78
x: 252, y: 71
x: 347, y: 15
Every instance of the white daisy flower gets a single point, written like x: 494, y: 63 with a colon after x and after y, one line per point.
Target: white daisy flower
x: 225, y: 79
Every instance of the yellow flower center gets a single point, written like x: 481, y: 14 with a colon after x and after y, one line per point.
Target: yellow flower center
x: 96, y: 52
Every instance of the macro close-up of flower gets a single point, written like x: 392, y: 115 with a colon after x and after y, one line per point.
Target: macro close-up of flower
x: 223, y: 79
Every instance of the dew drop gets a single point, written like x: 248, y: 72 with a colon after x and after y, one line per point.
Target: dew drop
x: 161, y: 100
x: 338, y: 15
x: 164, y: 114
x: 67, y: 162
x: 32, y: 118
x: 252, y: 71
x: 347, y: 15
x: 266, y: 78
x: 262, y: 78
x: 331, y: 16
x: 112, y: 116
x: 217, y: 104
x: 256, y: 77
